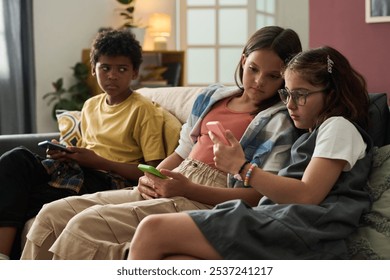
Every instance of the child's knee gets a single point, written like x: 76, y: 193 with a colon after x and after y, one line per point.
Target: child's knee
x: 85, y: 220
x: 52, y: 211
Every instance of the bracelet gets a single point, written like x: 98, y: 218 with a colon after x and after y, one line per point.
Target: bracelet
x: 248, y: 174
x: 238, y: 176
x: 243, y: 166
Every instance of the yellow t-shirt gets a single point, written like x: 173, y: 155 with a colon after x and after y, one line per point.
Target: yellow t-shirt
x: 129, y: 132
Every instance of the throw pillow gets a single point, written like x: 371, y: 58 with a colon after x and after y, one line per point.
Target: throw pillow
x: 372, y: 239
x: 171, y: 129
x: 69, y: 126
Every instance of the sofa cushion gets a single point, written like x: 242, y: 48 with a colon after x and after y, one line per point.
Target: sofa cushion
x: 177, y: 100
x: 69, y: 127
x: 372, y: 239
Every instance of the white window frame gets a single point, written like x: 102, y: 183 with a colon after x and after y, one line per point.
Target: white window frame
x: 182, y: 27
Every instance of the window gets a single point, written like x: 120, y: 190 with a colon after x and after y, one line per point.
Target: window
x: 214, y: 32
x: 17, y: 77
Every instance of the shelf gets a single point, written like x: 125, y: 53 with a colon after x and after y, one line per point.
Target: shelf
x: 172, y: 60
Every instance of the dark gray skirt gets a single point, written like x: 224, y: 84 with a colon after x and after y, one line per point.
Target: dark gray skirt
x: 238, y: 231
x: 291, y: 231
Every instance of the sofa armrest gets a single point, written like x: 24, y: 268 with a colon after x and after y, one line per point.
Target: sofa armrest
x: 379, y: 119
x: 30, y: 141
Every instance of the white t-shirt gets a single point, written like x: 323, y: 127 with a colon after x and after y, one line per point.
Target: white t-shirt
x: 338, y: 138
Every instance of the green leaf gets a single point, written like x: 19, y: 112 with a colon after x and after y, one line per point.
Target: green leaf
x: 130, y: 10
x: 51, y: 100
x: 126, y: 15
x: 58, y: 84
x: 65, y: 104
x: 74, y: 97
x: 81, y: 71
x: 125, y: 2
x: 128, y: 25
x: 79, y: 88
x: 57, y: 94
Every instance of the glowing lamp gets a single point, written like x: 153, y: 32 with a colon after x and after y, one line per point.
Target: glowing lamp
x: 160, y: 29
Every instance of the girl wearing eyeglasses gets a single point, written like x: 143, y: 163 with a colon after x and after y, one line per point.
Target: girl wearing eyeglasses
x: 312, y: 205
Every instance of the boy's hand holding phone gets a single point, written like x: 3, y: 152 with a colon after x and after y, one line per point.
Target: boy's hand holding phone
x: 53, y: 146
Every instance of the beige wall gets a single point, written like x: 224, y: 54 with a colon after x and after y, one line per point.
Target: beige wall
x: 63, y: 28
x: 295, y: 15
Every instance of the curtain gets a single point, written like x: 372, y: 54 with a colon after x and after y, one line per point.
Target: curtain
x: 17, y: 70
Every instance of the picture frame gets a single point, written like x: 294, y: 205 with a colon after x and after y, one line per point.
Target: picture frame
x: 377, y: 11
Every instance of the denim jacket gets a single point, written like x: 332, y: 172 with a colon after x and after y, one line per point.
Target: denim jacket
x: 266, y: 141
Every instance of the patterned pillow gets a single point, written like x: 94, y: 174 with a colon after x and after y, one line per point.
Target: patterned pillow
x: 69, y: 126
x: 372, y: 239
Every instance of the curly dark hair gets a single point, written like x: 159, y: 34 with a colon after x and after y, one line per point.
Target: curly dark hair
x: 113, y: 42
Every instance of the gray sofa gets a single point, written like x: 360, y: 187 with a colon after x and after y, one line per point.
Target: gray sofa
x: 7, y: 142
x: 179, y: 100
x: 379, y: 119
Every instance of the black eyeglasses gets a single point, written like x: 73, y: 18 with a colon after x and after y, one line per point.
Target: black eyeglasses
x: 298, y: 96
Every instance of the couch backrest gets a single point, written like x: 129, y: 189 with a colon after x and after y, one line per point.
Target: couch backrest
x: 379, y: 119
x: 177, y: 100
x: 30, y: 141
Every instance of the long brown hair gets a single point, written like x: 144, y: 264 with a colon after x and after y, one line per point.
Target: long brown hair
x: 346, y: 90
x: 284, y: 42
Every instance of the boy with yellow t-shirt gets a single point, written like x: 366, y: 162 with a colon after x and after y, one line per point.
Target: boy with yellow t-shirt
x: 120, y: 129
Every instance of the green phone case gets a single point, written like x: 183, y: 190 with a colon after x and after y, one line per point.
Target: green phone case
x: 151, y: 170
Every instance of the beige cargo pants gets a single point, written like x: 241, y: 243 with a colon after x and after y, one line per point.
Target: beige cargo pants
x: 101, y: 225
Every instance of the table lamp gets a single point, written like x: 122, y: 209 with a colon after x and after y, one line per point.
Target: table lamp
x: 160, y: 29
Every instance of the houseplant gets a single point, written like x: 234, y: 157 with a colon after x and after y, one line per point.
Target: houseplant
x: 127, y: 13
x: 74, y: 97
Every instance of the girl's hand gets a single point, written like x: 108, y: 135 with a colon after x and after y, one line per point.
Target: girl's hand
x: 156, y: 187
x: 146, y: 187
x: 228, y: 159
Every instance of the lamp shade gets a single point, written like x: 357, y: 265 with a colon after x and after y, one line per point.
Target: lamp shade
x: 160, y: 25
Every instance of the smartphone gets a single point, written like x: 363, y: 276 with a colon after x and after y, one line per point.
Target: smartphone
x: 217, y: 128
x: 53, y: 146
x: 152, y: 170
